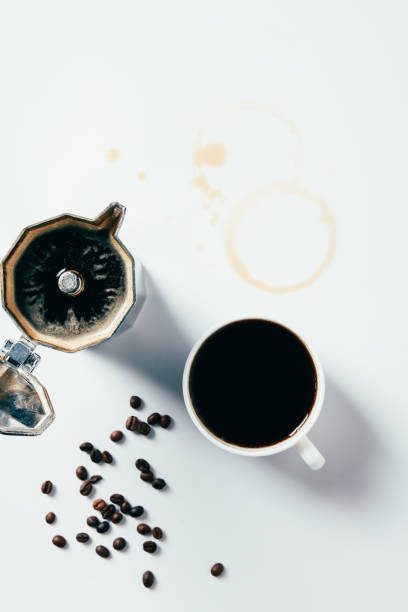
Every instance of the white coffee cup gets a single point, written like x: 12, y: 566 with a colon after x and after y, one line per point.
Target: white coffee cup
x: 299, y: 440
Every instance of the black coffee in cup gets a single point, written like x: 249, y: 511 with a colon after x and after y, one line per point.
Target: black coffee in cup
x: 253, y: 383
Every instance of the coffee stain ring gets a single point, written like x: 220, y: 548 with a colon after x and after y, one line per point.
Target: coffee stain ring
x: 237, y: 215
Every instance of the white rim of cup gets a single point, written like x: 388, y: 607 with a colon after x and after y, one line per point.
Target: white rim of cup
x: 264, y: 450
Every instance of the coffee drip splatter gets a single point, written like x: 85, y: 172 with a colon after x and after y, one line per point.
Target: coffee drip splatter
x: 213, y: 154
x: 112, y: 155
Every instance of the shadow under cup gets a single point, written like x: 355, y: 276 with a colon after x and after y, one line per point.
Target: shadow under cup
x: 253, y: 386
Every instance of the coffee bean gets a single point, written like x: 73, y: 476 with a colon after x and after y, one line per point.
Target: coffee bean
x: 81, y: 472
x: 59, y: 541
x: 103, y: 527
x: 159, y: 483
x: 157, y: 533
x: 99, y: 504
x: 92, y: 521
x: 86, y: 446
x: 117, y: 498
x: 135, y: 401
x: 125, y: 507
x: 116, y: 517
x: 149, y: 546
x: 46, y: 487
x: 82, y: 537
x: 85, y: 488
x: 217, y: 569
x: 143, y: 529
x: 50, y: 518
x: 96, y: 456
x: 107, y: 457
x: 132, y: 423
x: 148, y: 579
x: 102, y: 551
x: 108, y: 511
x: 116, y: 435
x: 95, y: 478
x: 136, y: 511
x: 165, y: 421
x: 154, y: 418
x: 147, y: 476
x: 143, y: 428
x: 142, y: 465
x: 119, y: 543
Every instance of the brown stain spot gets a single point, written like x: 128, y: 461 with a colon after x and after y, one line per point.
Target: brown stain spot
x: 112, y: 155
x: 213, y: 154
x: 142, y: 175
x: 214, y: 218
x: 201, y: 182
x: 250, y: 202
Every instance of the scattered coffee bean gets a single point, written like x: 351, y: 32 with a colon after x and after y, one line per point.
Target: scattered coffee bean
x: 108, y: 511
x: 136, y: 511
x: 143, y: 428
x: 159, y: 483
x: 86, y: 446
x: 149, y: 546
x: 119, y: 543
x: 116, y: 435
x: 107, y: 457
x: 81, y: 472
x: 157, y: 533
x: 96, y: 456
x: 143, y: 529
x: 147, y: 476
x: 148, y: 579
x: 117, y: 498
x: 154, y: 418
x: 135, y: 401
x: 99, y: 504
x: 217, y: 569
x: 132, y: 423
x: 116, y: 517
x: 82, y: 537
x: 165, y: 421
x: 46, y: 487
x: 92, y: 521
x: 102, y: 551
x: 50, y: 518
x: 103, y: 527
x: 142, y: 465
x: 59, y: 541
x: 85, y: 488
x: 95, y: 478
x: 125, y: 507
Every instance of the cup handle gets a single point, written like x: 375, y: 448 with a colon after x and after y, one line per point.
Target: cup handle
x: 309, y: 453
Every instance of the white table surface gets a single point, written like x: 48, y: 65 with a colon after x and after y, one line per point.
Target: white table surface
x: 94, y: 93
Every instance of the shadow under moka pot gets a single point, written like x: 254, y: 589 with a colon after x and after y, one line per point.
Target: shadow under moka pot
x: 69, y: 283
